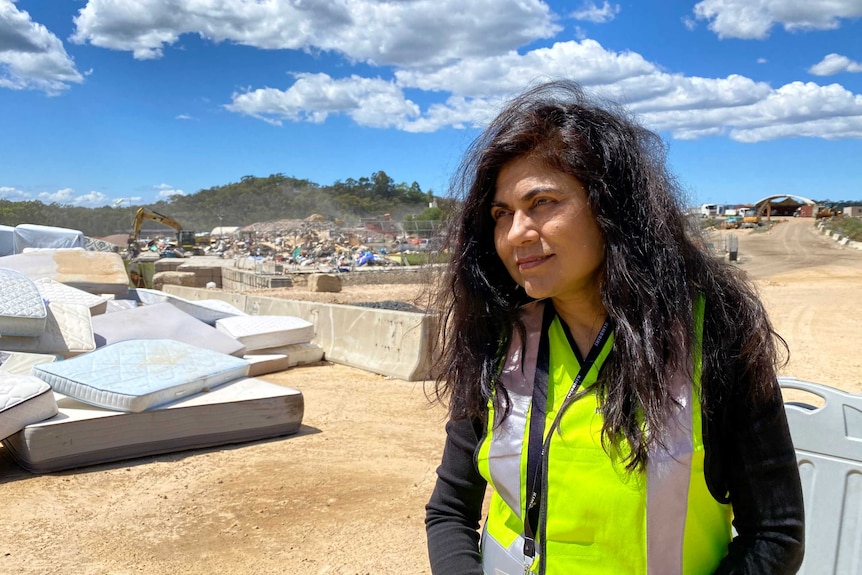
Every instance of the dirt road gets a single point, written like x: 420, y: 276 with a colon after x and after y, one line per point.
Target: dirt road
x: 346, y: 495
x: 812, y: 288
x: 791, y: 245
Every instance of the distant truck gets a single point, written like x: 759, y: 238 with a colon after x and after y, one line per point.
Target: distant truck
x: 741, y: 212
x: 429, y: 245
x: 711, y: 210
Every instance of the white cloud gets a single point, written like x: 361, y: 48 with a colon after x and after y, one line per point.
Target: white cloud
x: 586, y: 61
x: 91, y: 199
x: 31, y: 57
x: 622, y: 76
x: 67, y: 197
x: 313, y: 97
x: 183, y: 117
x: 128, y: 202
x: 833, y: 64
x: 418, y: 32
x: 472, y: 90
x: 592, y: 13
x: 753, y: 19
x: 14, y: 194
x: 168, y: 191
x: 64, y: 196
x: 464, y: 58
x: 762, y: 60
x: 579, y: 33
x: 793, y: 110
x: 689, y: 23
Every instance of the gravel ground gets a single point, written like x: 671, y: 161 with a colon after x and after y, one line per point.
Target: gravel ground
x: 408, y: 297
x: 346, y: 495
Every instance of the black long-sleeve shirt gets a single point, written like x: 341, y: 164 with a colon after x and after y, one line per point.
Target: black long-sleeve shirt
x: 749, y: 459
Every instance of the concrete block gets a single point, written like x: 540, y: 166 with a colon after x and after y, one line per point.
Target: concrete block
x: 330, y: 283
x: 161, y: 279
x: 168, y: 264
x: 393, y: 343
x: 199, y: 266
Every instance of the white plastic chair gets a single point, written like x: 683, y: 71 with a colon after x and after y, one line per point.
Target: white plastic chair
x: 828, y: 442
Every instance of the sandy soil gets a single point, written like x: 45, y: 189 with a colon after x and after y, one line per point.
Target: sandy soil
x: 346, y: 495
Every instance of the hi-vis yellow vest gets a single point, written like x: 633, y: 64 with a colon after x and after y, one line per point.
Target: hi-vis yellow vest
x: 596, y: 518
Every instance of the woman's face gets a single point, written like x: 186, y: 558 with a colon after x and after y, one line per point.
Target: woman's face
x: 545, y: 232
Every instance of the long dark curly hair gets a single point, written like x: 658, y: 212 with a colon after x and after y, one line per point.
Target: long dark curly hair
x: 655, y: 264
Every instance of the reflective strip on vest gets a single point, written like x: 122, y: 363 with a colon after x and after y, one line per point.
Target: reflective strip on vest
x: 518, y: 374
x: 668, y: 474
x: 667, y: 499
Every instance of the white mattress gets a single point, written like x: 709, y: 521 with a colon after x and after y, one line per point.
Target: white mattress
x: 22, y: 311
x: 206, y: 310
x: 95, y: 272
x: 54, y: 291
x: 162, y: 321
x: 21, y: 362
x: 246, y: 409
x: 120, y: 305
x: 136, y: 375
x: 68, y: 332
x: 147, y: 296
x: 24, y: 399
x: 264, y: 331
x: 297, y: 353
x: 262, y: 364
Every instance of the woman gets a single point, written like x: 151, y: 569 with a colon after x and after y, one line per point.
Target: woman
x: 612, y: 381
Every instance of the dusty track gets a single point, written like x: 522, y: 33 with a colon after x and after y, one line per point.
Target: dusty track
x: 346, y: 495
x: 812, y: 288
x: 791, y: 245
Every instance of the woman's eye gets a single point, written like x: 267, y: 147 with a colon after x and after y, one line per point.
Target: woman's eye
x: 497, y: 214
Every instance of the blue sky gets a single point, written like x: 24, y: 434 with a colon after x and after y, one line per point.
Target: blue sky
x: 103, y: 100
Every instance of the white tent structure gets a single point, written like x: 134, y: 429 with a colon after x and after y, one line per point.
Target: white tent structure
x: 35, y: 237
x: 224, y: 231
x: 7, y: 234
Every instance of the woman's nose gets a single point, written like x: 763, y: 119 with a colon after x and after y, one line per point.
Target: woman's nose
x: 523, y: 229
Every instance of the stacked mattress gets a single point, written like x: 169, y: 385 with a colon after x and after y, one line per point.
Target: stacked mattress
x: 161, y: 321
x: 143, y: 397
x: 54, y: 291
x: 266, y: 331
x: 88, y: 378
x: 136, y: 375
x: 206, y: 310
x: 23, y: 400
x: 22, y: 310
x: 246, y: 409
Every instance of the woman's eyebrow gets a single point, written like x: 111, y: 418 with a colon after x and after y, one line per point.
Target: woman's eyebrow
x: 526, y: 197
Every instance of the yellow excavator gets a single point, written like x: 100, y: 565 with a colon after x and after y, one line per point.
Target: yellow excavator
x: 185, y: 238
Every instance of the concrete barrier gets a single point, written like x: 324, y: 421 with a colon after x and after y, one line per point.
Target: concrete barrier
x: 388, y: 342
x: 235, y: 279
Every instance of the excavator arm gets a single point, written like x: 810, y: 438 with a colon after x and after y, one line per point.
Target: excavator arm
x: 145, y: 214
x: 185, y: 238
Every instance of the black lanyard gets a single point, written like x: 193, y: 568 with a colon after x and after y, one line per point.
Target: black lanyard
x: 537, y: 448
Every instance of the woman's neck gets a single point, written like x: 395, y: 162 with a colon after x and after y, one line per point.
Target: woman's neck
x: 584, y: 318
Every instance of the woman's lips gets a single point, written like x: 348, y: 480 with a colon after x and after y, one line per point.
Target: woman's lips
x: 531, y: 262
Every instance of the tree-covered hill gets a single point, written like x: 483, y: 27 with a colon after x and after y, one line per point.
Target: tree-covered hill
x: 252, y: 199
